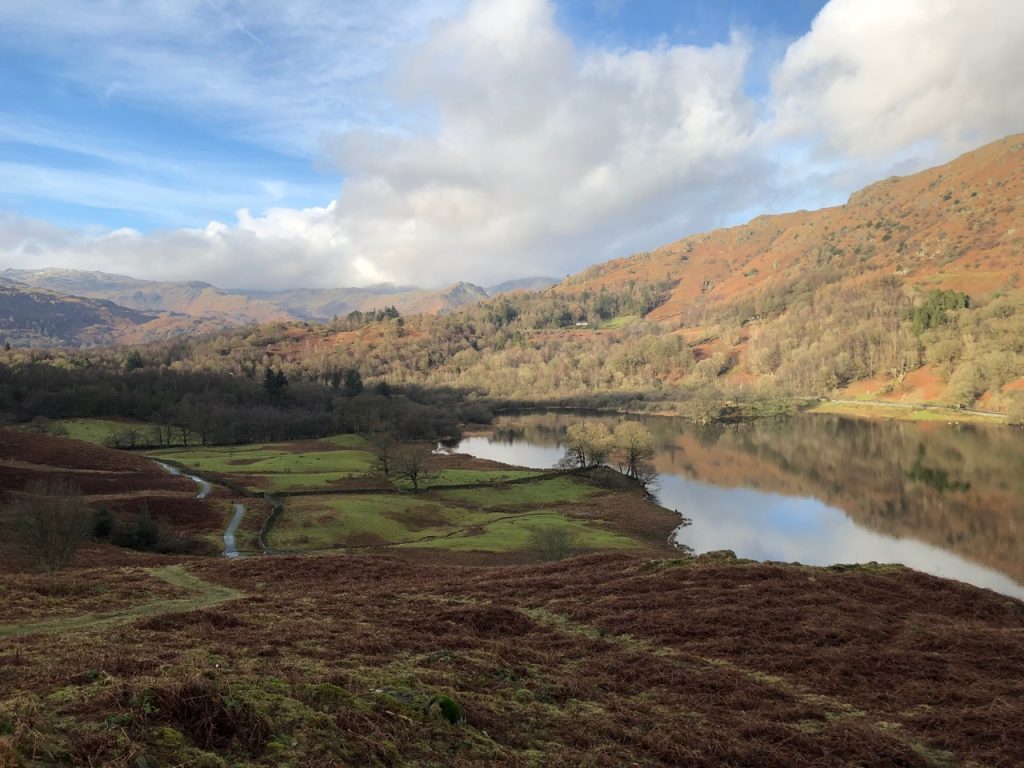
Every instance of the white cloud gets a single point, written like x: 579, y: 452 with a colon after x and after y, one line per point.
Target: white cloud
x: 541, y: 156
x: 545, y: 156
x: 877, y: 77
x: 286, y: 247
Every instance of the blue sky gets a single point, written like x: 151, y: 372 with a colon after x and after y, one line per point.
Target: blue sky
x: 66, y: 136
x: 317, y: 142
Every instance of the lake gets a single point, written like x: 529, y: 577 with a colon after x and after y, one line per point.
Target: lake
x: 942, y: 498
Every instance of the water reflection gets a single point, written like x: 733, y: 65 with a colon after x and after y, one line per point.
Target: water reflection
x: 821, y: 489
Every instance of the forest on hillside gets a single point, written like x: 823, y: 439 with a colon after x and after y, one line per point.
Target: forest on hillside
x: 420, y: 376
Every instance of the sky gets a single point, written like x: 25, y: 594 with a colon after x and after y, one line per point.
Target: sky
x: 318, y: 143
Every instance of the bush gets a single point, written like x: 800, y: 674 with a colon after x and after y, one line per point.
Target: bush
x: 50, y: 522
x: 550, y: 544
x: 102, y: 524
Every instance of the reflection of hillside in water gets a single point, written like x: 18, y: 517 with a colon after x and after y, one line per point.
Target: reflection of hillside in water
x: 956, y: 487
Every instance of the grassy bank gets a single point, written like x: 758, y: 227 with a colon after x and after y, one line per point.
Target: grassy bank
x: 899, y: 411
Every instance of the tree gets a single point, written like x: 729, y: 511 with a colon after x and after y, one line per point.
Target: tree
x: 384, y: 449
x: 933, y: 311
x: 50, y: 522
x: 353, y: 382
x: 275, y: 384
x: 964, y: 386
x: 410, y: 465
x: 634, y: 448
x: 133, y: 361
x: 587, y: 445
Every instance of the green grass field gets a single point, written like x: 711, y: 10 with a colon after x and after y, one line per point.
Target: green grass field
x: 555, y: 490
x: 278, y: 468
x: 323, y: 522
x: 467, y: 476
x: 488, y: 519
x: 508, y: 534
x: 101, y: 431
x: 620, y: 321
x: 491, y: 518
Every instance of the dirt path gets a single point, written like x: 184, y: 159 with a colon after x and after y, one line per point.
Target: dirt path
x: 207, y: 595
x: 229, y: 533
x: 918, y: 407
x: 205, y: 487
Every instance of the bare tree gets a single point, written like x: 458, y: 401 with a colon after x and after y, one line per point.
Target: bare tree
x: 50, y: 522
x: 410, y: 465
x: 384, y: 449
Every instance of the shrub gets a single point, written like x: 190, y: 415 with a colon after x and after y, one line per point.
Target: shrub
x: 550, y: 543
x: 50, y: 522
x: 447, y: 708
x: 102, y: 524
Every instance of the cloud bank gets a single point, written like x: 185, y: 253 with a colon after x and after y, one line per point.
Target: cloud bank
x: 534, y: 155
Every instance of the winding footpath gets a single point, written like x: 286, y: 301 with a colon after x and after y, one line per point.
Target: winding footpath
x: 204, y: 595
x: 205, y: 488
x: 229, y: 534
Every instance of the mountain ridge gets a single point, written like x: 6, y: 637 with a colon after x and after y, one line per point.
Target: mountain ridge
x: 190, y: 306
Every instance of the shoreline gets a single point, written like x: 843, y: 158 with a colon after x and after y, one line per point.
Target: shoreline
x: 878, y: 410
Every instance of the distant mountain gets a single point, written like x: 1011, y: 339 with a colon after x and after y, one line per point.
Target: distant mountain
x: 67, y: 307
x: 187, y: 298
x: 326, y: 303
x: 244, y: 306
x: 522, y: 284
x: 36, y: 317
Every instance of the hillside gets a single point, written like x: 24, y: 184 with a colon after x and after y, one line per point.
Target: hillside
x: 123, y: 309
x: 521, y: 284
x: 910, y: 292
x: 188, y: 298
x: 32, y: 317
x: 957, y: 227
x: 326, y: 303
x: 608, y: 660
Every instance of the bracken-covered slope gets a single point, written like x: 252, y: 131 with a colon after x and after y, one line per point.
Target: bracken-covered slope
x: 959, y: 226
x: 603, y: 661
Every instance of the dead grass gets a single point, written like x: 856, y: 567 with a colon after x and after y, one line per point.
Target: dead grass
x: 605, y: 660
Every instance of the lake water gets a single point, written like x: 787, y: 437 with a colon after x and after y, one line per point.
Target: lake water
x: 817, y: 489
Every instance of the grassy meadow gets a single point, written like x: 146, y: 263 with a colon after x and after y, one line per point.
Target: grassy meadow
x: 275, y: 467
